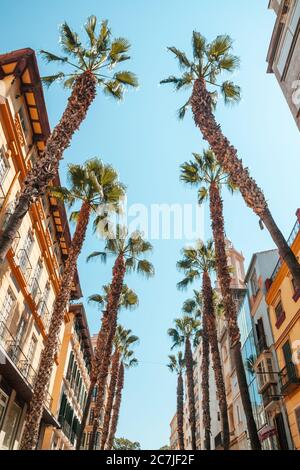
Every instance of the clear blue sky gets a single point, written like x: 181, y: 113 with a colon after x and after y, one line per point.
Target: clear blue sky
x: 144, y: 141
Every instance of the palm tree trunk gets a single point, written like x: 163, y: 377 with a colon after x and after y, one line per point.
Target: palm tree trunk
x: 116, y: 408
x: 227, y: 157
x: 216, y: 358
x: 46, y: 166
x: 189, y: 361
x: 110, y: 398
x: 216, y: 211
x: 112, y: 307
x: 34, y: 414
x: 205, y: 376
x: 180, y: 412
x: 98, y: 359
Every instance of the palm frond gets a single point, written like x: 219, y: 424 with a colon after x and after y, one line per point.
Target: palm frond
x: 49, y: 57
x: 97, y: 254
x: 126, y: 78
x: 181, y: 56
x: 231, y: 92
x: 50, y: 79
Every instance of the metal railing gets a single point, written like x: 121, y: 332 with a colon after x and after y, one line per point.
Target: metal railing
x: 15, y: 353
x: 290, y: 241
x: 24, y: 263
x: 20, y: 360
x: 289, y: 375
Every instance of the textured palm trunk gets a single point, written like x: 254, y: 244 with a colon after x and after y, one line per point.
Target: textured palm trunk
x: 189, y: 361
x: 35, y: 412
x: 216, y: 211
x: 46, y: 166
x: 216, y: 358
x: 180, y: 415
x: 110, y: 398
x: 112, y: 307
x: 227, y: 157
x: 205, y: 377
x: 116, y: 408
x: 98, y: 359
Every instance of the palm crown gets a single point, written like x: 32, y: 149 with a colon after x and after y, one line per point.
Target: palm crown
x: 133, y: 247
x: 128, y: 299
x: 205, y: 171
x: 186, y: 327
x: 123, y: 341
x: 210, y: 61
x: 93, y: 182
x: 196, y: 260
x: 176, y: 363
x: 194, y: 305
x: 99, y: 56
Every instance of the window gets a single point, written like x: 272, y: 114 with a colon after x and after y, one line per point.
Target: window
x: 91, y: 418
x: 3, y: 405
x: 32, y: 349
x: 297, y: 415
x: 34, y: 287
x: 7, y: 306
x: 44, y: 300
x: 280, y: 314
x: 11, y: 426
x: 23, y: 120
x: 4, y: 165
x: 254, y: 283
x: 26, y: 251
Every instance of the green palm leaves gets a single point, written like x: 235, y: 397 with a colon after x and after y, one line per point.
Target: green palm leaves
x: 210, y: 61
x: 124, y: 340
x: 195, y: 261
x: 99, y: 55
x: 176, y: 363
x: 128, y: 299
x: 203, y: 172
x: 133, y: 247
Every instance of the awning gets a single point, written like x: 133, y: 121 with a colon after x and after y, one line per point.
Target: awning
x: 266, y: 432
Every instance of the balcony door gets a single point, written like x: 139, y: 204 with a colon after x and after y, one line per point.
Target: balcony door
x: 281, y: 434
x: 10, y: 426
x: 288, y: 359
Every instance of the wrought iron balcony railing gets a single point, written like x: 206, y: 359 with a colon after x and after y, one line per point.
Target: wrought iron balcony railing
x: 35, y: 291
x: 44, y: 314
x: 13, y: 350
x: 289, y: 378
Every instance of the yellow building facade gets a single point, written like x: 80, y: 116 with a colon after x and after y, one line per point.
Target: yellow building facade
x: 31, y: 274
x: 283, y: 300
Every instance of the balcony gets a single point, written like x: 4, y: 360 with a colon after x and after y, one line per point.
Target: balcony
x: 19, y: 359
x: 291, y: 240
x: 270, y: 398
x: 289, y: 378
x: 24, y: 264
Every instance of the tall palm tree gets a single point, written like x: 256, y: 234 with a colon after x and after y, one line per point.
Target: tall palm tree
x: 123, y: 340
x: 90, y: 65
x: 129, y: 252
x: 206, y: 174
x: 177, y: 365
x: 210, y: 61
x: 128, y: 300
x: 93, y: 184
x: 213, y: 307
x: 187, y: 330
x: 126, y: 362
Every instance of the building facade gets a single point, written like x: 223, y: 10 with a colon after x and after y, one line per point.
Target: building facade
x: 72, y: 381
x: 31, y: 274
x: 271, y: 414
x: 283, y: 300
x: 174, y: 444
x: 283, y: 55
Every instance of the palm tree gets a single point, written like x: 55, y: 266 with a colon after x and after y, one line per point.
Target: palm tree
x: 129, y: 252
x: 128, y: 300
x: 90, y: 65
x: 195, y: 306
x: 209, y: 62
x: 177, y: 365
x: 187, y: 329
x: 206, y: 173
x: 123, y: 340
x: 127, y: 360
x: 93, y: 184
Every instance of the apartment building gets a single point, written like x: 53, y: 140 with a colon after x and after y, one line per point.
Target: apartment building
x: 283, y: 55
x: 174, y: 445
x: 72, y: 381
x: 273, y: 424
x: 283, y: 300
x: 30, y: 277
